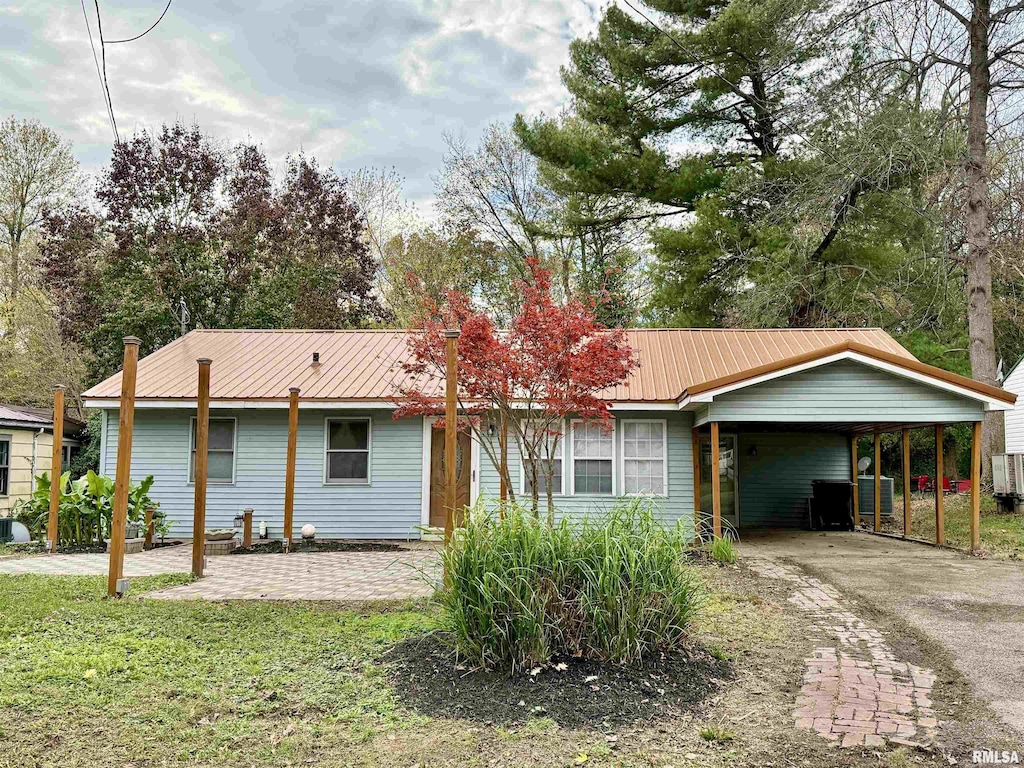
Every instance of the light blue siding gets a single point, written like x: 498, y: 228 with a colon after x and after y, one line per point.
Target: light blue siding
x: 677, y: 505
x: 776, y: 482
x: 844, y: 392
x: 389, y: 507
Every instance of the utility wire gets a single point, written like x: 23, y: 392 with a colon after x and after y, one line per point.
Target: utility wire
x: 99, y: 74
x: 152, y: 27
x: 736, y: 89
x: 106, y: 84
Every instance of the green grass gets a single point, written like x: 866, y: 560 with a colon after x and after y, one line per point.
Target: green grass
x: 1002, y: 535
x: 86, y: 681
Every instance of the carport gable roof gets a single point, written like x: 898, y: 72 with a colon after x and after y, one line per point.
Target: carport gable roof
x: 900, y: 365
x: 363, y: 368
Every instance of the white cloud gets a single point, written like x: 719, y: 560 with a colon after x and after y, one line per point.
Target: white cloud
x: 377, y: 84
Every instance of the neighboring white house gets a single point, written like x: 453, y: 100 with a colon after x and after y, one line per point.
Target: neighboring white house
x: 1014, y: 382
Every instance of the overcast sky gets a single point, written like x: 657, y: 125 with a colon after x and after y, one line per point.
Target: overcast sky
x: 354, y: 82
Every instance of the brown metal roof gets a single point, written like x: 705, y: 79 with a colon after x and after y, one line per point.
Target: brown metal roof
x: 366, y: 365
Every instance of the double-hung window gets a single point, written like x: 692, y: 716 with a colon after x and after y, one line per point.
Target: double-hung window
x: 593, y: 458
x: 643, y: 457
x: 220, y: 461
x: 5, y: 463
x: 550, y: 450
x: 347, y: 460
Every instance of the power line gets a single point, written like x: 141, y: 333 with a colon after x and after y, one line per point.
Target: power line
x: 736, y: 89
x: 106, y: 83
x: 151, y: 28
x: 99, y: 74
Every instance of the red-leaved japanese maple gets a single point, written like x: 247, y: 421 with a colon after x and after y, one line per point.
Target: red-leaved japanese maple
x: 552, y: 363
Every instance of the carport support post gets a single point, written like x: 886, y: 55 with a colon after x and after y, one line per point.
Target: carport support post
x: 878, y: 481
x: 976, y: 487
x: 122, y: 473
x: 289, y: 472
x: 202, y: 455
x: 716, y: 483
x: 55, y: 468
x: 451, y: 403
x: 696, y: 480
x: 940, y: 514
x: 907, y: 517
x: 856, y: 483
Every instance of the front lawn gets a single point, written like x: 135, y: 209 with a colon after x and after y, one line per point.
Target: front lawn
x: 86, y: 682
x: 1002, y: 535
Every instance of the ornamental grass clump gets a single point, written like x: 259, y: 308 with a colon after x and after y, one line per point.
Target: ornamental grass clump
x: 520, y: 591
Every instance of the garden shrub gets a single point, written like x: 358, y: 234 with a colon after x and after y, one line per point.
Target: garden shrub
x: 722, y: 550
x: 520, y: 591
x: 85, y: 507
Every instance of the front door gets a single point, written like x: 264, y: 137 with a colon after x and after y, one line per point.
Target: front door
x: 438, y: 514
x: 728, y: 472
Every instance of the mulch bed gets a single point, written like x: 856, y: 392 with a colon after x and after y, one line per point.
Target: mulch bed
x: 327, y: 545
x: 428, y: 677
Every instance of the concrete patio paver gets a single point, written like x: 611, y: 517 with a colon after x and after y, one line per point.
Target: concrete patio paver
x: 350, y: 576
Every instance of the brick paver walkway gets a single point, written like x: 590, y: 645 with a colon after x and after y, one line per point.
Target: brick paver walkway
x: 406, y: 573
x: 855, y: 689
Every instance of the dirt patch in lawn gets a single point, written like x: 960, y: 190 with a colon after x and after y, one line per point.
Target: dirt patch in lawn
x: 327, y: 545
x: 428, y: 676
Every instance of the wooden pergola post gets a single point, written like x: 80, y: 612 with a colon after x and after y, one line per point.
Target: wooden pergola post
x: 878, y: 481
x: 289, y: 472
x: 247, y: 527
x: 716, y: 483
x: 940, y: 514
x: 907, y: 516
x: 856, y: 479
x: 696, y: 479
x: 56, y: 456
x: 451, y: 403
x: 122, y: 473
x: 202, y: 456
x: 976, y: 487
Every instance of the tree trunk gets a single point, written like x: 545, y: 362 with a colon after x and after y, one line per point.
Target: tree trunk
x: 979, y: 205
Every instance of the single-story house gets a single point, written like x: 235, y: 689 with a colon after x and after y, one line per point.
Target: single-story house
x: 785, y: 404
x: 26, y: 447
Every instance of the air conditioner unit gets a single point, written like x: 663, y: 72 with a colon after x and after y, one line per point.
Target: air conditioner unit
x: 866, y: 496
x: 1008, y: 479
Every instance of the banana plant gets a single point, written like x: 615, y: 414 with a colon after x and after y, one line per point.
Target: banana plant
x: 86, y: 507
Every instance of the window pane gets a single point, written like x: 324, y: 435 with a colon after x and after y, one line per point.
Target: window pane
x: 222, y: 434
x: 348, y: 466
x: 3, y: 481
x: 593, y: 476
x: 590, y: 441
x: 5, y: 453
x: 641, y: 476
x: 218, y: 466
x: 349, y: 435
x: 542, y: 480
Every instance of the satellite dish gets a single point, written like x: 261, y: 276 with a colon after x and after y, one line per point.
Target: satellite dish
x: 863, y: 464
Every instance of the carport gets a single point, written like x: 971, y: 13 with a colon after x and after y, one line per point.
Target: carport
x: 774, y: 429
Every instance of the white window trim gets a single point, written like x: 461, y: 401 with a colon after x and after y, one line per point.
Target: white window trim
x: 9, y: 439
x: 572, y: 462
x: 664, y: 456
x: 369, y: 450
x: 522, y: 467
x: 234, y: 451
